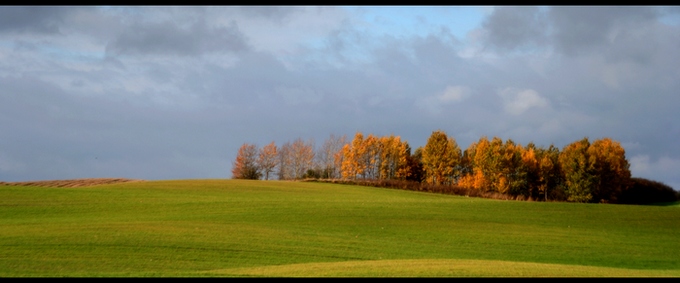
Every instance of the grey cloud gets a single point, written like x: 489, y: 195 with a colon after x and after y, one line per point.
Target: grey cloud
x: 57, y: 135
x: 436, y: 54
x: 514, y: 27
x: 578, y: 29
x: 276, y: 13
x: 616, y: 80
x: 341, y: 43
x: 571, y: 30
x: 36, y: 19
x: 646, y: 44
x: 171, y: 39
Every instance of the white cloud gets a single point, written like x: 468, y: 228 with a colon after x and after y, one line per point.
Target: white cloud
x: 517, y: 101
x: 452, y: 94
x: 283, y: 31
x: 643, y: 164
x: 639, y: 164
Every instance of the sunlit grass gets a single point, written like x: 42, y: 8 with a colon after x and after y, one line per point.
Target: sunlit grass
x: 438, y: 268
x: 257, y: 228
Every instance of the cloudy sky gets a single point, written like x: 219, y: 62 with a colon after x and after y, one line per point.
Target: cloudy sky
x: 172, y: 92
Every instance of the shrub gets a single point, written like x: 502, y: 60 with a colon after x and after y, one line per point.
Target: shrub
x: 644, y: 191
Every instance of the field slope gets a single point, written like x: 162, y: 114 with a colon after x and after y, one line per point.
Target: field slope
x: 257, y: 228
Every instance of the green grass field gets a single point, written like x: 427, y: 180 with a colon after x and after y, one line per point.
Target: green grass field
x: 270, y: 228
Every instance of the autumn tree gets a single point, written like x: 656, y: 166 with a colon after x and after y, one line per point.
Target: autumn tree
x: 339, y: 159
x: 496, y: 166
x: 467, y: 168
x: 414, y: 165
x: 371, y: 157
x: 245, y: 165
x: 353, y: 163
x: 348, y: 168
x: 398, y: 158
x: 578, y: 175
x: 512, y: 170
x: 393, y: 156
x: 596, y: 172
x: 548, y: 175
x: 531, y: 165
x: 375, y: 157
x: 441, y: 157
x: 268, y: 159
x: 477, y: 165
x: 607, y: 160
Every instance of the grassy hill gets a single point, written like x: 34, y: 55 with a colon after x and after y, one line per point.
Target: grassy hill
x: 259, y: 228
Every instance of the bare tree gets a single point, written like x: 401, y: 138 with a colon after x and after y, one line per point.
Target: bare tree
x: 326, y: 156
x: 302, y: 156
x: 285, y: 162
x: 267, y: 159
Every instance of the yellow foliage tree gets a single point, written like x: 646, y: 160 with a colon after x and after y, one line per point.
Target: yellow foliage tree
x: 375, y: 158
x: 477, y: 163
x: 354, y: 161
x: 347, y: 166
x: 371, y: 157
x: 548, y: 174
x: 393, y: 158
x: 531, y: 166
x: 607, y: 160
x: 441, y: 157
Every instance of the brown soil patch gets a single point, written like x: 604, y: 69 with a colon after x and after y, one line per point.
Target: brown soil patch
x: 71, y: 183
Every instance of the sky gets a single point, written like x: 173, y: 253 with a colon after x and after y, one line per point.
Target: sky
x: 172, y: 92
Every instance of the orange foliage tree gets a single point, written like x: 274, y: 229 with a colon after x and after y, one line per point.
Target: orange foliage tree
x: 245, y: 165
x: 548, y: 174
x: 477, y: 165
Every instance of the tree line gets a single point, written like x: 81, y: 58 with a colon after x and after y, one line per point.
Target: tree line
x: 290, y: 161
x: 582, y: 171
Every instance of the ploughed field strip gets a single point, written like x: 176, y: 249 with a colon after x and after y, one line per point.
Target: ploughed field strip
x: 71, y: 183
